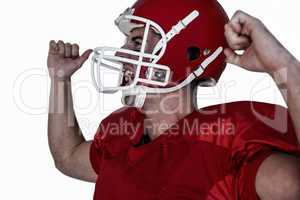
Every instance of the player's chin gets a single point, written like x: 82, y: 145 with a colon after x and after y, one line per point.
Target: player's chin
x: 128, y: 100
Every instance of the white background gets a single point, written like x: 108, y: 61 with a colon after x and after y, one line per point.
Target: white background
x: 27, y: 170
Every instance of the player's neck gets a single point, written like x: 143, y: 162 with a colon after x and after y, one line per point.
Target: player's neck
x: 167, y: 112
x: 157, y: 124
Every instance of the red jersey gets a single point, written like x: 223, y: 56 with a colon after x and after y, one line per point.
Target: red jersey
x: 211, y: 154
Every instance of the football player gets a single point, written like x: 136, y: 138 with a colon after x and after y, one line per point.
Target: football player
x: 160, y: 145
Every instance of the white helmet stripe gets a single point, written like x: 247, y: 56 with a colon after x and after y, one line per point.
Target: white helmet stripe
x: 182, y: 24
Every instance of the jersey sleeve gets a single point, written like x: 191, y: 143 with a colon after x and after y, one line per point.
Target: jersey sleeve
x: 113, y: 136
x: 255, y: 143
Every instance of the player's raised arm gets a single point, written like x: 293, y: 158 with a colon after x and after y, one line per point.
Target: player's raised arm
x: 69, y: 149
x: 264, y: 53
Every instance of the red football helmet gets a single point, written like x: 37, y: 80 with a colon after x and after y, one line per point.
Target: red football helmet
x: 191, y: 47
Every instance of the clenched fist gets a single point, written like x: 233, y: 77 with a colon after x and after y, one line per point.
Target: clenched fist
x: 262, y: 52
x: 64, y: 60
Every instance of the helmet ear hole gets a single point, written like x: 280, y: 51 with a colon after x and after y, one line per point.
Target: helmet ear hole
x: 207, y: 82
x: 193, y: 53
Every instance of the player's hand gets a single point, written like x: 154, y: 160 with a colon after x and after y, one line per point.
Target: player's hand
x: 64, y: 59
x: 262, y: 52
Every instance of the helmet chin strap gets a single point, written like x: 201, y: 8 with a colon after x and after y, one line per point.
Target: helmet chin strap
x: 140, y: 100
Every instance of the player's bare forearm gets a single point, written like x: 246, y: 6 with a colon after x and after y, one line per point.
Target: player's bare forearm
x: 288, y: 81
x: 63, y: 131
x: 69, y: 149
